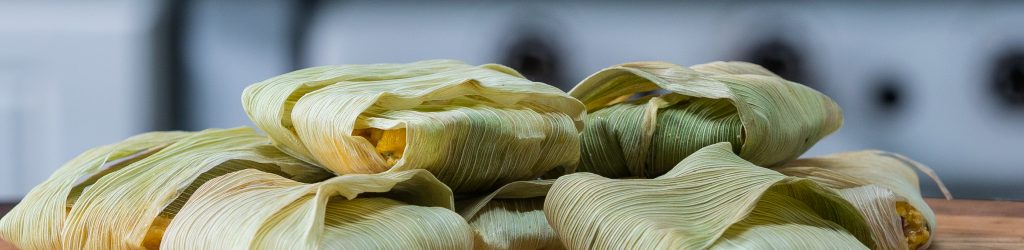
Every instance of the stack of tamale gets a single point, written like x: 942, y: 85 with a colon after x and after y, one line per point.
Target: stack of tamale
x: 443, y: 155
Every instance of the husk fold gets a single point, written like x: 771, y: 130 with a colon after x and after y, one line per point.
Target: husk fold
x: 713, y: 198
x: 647, y: 116
x: 474, y: 127
x: 511, y: 217
x: 401, y: 210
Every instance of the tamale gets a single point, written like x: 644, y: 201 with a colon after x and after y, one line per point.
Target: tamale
x: 647, y: 116
x: 125, y: 205
x: 475, y: 127
x: 711, y: 199
x: 883, y: 186
x: 37, y: 221
x: 394, y: 210
x: 511, y: 217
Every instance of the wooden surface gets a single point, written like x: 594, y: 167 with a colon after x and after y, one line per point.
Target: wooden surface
x: 4, y: 208
x: 973, y: 224
x: 963, y: 224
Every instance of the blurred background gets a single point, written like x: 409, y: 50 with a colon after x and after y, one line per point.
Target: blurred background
x: 942, y: 83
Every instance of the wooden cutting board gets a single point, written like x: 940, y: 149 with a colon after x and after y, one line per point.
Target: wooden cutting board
x: 963, y: 224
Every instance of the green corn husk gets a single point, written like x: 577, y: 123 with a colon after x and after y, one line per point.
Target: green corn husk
x: 511, y: 217
x: 767, y: 119
x: 711, y: 199
x: 400, y: 210
x: 877, y: 182
x: 475, y: 127
x: 126, y: 204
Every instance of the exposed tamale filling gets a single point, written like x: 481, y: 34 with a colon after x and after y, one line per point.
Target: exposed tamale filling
x: 390, y: 144
x: 914, y: 226
x: 156, y: 233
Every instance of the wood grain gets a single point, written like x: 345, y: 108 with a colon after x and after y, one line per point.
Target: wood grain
x: 963, y: 224
x: 974, y: 224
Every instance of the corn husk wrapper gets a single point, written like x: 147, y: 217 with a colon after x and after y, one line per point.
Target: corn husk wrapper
x: 873, y: 181
x: 511, y: 217
x: 126, y: 205
x: 711, y: 199
x: 475, y: 127
x: 37, y: 221
x: 398, y: 210
x: 768, y: 120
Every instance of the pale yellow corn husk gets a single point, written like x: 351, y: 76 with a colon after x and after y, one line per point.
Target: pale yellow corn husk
x: 511, y: 217
x: 37, y: 221
x: 475, y: 127
x: 250, y: 209
x: 711, y: 199
x: 874, y: 181
x: 768, y: 120
x: 125, y: 205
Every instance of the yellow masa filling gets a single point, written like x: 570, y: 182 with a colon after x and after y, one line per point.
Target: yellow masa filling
x: 915, y: 229
x: 156, y: 233
x: 390, y: 144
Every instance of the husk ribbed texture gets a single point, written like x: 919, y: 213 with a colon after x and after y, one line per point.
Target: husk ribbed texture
x: 475, y: 127
x: 768, y: 120
x: 713, y: 198
x: 874, y: 180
